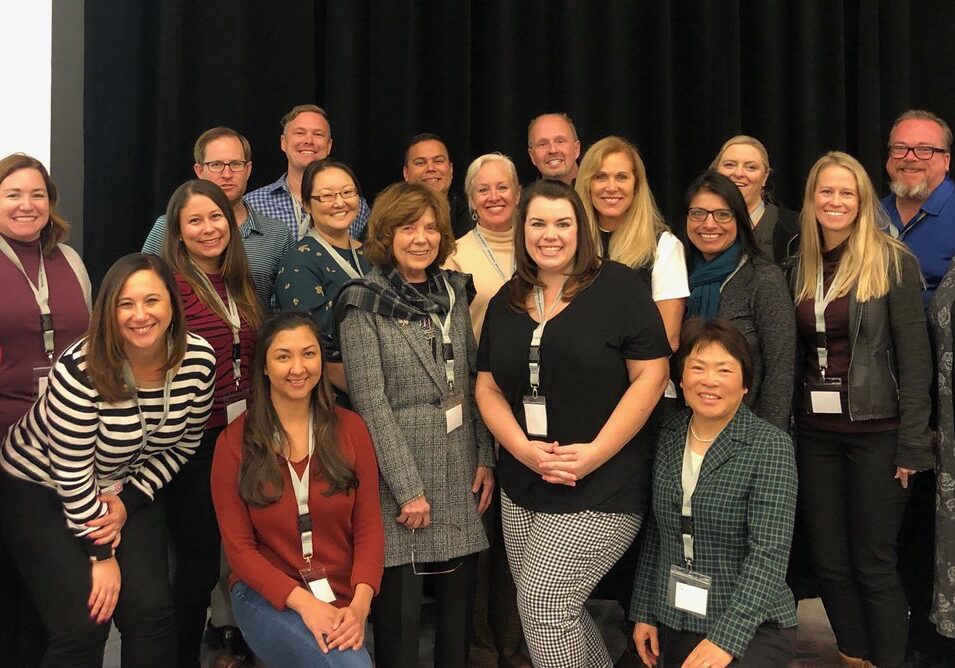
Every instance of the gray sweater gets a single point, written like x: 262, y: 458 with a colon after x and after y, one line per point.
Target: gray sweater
x: 756, y: 299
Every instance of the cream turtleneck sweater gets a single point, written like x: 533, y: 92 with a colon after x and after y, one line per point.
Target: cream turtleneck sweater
x: 470, y: 258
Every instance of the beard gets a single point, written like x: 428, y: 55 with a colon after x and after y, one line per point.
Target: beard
x: 917, y: 191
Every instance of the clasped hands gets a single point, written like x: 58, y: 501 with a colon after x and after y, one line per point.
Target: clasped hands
x: 560, y: 464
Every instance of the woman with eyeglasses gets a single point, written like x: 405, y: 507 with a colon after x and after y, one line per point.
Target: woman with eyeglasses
x: 301, y: 588
x: 312, y: 272
x: 409, y: 355
x: 866, y: 371
x: 745, y: 161
x: 204, y: 248
x: 730, y: 277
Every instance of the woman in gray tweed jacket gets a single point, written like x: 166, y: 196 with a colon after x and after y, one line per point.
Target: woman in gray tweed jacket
x: 409, y: 355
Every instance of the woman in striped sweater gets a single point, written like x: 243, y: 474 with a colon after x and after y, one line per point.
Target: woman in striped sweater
x: 124, y: 410
x: 204, y: 249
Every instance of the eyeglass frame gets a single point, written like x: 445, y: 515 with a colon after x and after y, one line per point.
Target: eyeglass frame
x: 230, y: 164
x: 328, y: 198
x: 710, y: 212
x: 414, y: 564
x: 894, y: 148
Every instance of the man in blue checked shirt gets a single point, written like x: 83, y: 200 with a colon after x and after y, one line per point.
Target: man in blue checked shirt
x: 306, y: 137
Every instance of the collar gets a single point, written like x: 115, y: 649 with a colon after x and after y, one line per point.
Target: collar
x: 280, y: 184
x: 932, y: 206
x: 250, y: 225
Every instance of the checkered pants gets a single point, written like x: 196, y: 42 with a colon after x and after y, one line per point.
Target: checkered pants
x: 557, y: 560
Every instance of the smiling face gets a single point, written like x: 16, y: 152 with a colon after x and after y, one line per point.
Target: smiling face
x: 744, y: 165
x: 836, y: 203
x: 709, y: 236
x: 911, y: 177
x: 226, y: 150
x: 293, y: 364
x: 333, y: 218
x: 494, y: 195
x: 307, y: 137
x: 712, y: 383
x: 24, y: 205
x: 553, y: 148
x: 428, y: 163
x: 204, y: 230
x: 550, y: 234
x: 143, y: 313
x: 611, y: 189
x: 415, y: 246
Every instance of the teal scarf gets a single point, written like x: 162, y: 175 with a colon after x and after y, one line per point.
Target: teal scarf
x: 706, y: 278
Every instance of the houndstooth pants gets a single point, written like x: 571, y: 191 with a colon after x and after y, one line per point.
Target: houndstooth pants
x: 557, y: 560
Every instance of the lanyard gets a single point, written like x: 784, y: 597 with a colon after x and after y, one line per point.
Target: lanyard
x: 688, y: 480
x: 166, y: 399
x: 445, y: 328
x: 235, y: 323
x: 534, y: 358
x: 301, y: 218
x: 41, y: 293
x: 819, y: 305
x: 352, y: 271
x: 490, y: 255
x: 300, y: 485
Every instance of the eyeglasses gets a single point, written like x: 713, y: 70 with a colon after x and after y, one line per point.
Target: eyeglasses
x: 326, y: 197
x: 699, y: 214
x: 216, y: 166
x: 421, y: 569
x: 900, y: 151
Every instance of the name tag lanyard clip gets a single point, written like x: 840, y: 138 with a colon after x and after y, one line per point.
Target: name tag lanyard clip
x: 235, y: 323
x: 445, y: 327
x: 534, y: 356
x: 820, y: 304
x: 41, y: 293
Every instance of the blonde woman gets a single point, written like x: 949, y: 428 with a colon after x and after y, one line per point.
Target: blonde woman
x: 627, y: 226
x: 745, y: 161
x: 863, y: 428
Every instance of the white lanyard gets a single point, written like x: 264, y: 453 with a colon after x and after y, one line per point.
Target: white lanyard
x: 819, y: 305
x: 41, y: 293
x: 352, y: 271
x: 534, y: 357
x: 445, y: 328
x: 300, y: 485
x: 689, y: 479
x: 235, y: 323
x: 166, y: 400
x: 490, y: 256
x: 301, y: 218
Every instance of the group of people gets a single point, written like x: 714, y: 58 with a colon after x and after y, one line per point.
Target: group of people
x: 308, y: 412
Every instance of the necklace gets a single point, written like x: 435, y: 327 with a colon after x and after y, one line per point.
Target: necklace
x: 697, y: 436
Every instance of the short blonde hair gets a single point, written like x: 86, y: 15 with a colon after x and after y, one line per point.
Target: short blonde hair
x: 400, y: 204
x: 482, y: 160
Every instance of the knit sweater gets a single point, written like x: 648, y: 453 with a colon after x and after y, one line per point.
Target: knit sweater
x: 470, y: 258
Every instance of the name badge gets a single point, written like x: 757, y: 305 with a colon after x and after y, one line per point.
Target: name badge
x: 453, y: 412
x: 688, y: 591
x: 824, y: 396
x: 111, y: 487
x: 235, y: 405
x: 535, y: 415
x: 317, y: 583
x: 41, y: 379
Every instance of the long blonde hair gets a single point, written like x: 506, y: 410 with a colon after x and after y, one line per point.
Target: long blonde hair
x: 870, y: 254
x: 634, y: 243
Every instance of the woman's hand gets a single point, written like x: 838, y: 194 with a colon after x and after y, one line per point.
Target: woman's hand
x: 648, y: 643
x: 416, y: 514
x: 533, y: 453
x: 348, y: 628
x: 902, y: 475
x: 572, y: 463
x: 105, y: 590
x: 483, y: 483
x: 708, y: 655
x: 318, y: 616
x: 109, y: 525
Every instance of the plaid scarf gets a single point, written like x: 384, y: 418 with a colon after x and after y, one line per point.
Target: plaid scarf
x: 399, y: 299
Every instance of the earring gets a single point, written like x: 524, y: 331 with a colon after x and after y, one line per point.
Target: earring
x: 474, y: 216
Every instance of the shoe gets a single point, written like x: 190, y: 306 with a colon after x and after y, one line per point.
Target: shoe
x: 234, y: 643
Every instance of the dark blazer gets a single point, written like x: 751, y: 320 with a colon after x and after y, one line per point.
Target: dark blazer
x: 743, y: 511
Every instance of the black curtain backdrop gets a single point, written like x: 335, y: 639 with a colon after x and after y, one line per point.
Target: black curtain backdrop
x: 677, y: 77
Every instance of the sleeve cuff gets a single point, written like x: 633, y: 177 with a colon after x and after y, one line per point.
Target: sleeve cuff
x: 133, y: 498
x: 104, y: 551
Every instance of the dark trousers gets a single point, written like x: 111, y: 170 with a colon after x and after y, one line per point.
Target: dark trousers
x: 770, y: 646
x: 853, y: 510
x: 22, y: 636
x: 194, y: 535
x: 57, y: 573
x: 396, y: 615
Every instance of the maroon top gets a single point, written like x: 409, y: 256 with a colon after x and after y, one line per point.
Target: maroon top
x: 202, y: 320
x: 263, y: 545
x: 839, y: 355
x: 21, y: 338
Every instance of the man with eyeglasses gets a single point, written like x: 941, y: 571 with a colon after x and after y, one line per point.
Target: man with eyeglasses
x: 224, y: 157
x: 921, y: 207
x: 553, y: 146
x: 306, y: 137
x: 428, y: 162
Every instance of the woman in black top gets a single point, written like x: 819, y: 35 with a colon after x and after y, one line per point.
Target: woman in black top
x: 574, y: 466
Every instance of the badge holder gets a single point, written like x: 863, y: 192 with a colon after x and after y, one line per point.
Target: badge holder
x: 688, y: 591
x: 41, y: 379
x: 113, y: 487
x: 535, y: 415
x: 453, y: 408
x: 235, y: 405
x: 315, y: 579
x: 823, y: 396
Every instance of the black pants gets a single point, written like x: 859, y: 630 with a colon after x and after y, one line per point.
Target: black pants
x: 396, y: 615
x: 853, y: 510
x: 57, y: 573
x: 194, y: 535
x: 770, y: 646
x: 21, y: 630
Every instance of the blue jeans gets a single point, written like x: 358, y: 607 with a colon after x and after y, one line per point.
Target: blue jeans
x: 280, y: 638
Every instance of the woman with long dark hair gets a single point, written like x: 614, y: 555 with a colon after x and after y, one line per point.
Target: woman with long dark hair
x: 295, y: 486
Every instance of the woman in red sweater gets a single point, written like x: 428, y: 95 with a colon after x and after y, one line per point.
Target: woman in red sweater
x: 295, y: 487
